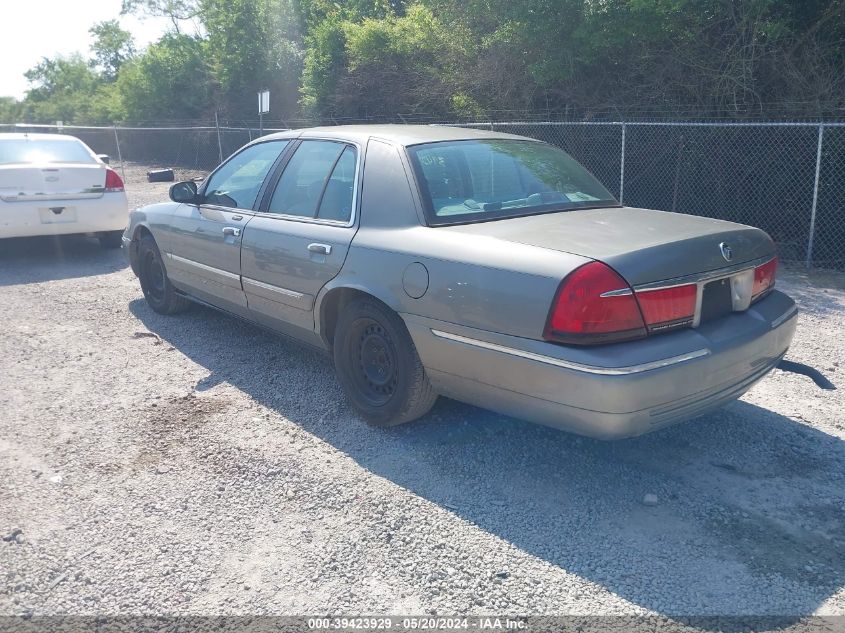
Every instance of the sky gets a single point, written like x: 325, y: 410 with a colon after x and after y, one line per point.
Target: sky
x: 34, y: 29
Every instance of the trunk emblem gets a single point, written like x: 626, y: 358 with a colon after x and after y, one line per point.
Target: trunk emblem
x: 727, y: 253
x: 51, y: 178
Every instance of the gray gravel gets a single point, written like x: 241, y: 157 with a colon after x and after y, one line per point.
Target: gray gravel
x: 215, y: 468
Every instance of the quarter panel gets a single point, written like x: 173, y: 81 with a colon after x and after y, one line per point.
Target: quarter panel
x: 478, y: 282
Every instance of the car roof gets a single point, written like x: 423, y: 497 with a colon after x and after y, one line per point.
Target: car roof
x: 398, y: 134
x: 24, y: 136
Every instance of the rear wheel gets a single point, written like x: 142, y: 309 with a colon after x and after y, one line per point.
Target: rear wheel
x: 111, y: 239
x: 378, y: 365
x: 158, y: 291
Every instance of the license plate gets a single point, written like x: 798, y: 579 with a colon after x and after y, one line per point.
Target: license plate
x: 57, y: 215
x: 716, y: 300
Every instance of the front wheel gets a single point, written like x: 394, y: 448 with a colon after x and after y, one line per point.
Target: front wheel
x: 378, y: 365
x: 158, y: 291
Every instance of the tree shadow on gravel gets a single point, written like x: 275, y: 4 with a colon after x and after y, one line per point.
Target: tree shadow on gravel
x: 26, y: 260
x: 749, y: 513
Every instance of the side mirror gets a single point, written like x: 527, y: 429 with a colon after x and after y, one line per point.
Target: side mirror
x: 105, y: 158
x: 184, y: 192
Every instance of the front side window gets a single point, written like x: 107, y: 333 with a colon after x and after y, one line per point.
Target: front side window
x: 237, y: 182
x: 19, y: 151
x: 470, y: 181
x: 317, y: 182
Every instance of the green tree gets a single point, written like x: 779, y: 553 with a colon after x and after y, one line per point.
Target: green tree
x: 10, y: 110
x: 66, y: 89
x: 177, y: 11
x: 409, y: 64
x: 170, y: 80
x: 112, y: 47
x: 253, y: 45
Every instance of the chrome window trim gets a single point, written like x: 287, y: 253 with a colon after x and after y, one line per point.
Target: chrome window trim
x: 206, y: 267
x: 566, y: 364
x: 278, y: 289
x: 359, y: 160
x: 217, y: 207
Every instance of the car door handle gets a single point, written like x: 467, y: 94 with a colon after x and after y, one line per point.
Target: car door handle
x: 322, y: 249
x: 231, y: 230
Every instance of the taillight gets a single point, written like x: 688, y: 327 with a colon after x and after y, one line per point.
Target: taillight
x: 667, y: 308
x: 113, y: 181
x: 764, y: 278
x: 594, y: 305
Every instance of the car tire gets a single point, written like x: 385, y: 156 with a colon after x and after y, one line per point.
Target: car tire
x: 378, y: 366
x: 111, y: 239
x: 158, y: 291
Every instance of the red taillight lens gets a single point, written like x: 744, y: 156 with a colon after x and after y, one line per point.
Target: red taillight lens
x: 594, y: 305
x: 668, y: 307
x: 113, y: 181
x: 764, y: 278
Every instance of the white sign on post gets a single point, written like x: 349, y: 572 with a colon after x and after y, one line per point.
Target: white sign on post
x: 264, y: 102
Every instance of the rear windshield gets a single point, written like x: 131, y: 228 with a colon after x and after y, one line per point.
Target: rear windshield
x: 43, y: 151
x: 473, y: 181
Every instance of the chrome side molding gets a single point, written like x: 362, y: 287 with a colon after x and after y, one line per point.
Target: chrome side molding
x: 205, y: 267
x: 590, y: 369
x: 277, y: 289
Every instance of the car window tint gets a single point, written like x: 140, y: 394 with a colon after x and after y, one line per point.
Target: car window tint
x: 337, y: 197
x: 237, y: 182
x: 44, y: 151
x: 302, y: 183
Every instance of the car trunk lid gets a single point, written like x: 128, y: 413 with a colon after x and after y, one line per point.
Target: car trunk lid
x: 643, y: 245
x: 52, y: 181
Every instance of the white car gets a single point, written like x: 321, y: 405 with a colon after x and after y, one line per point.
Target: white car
x: 53, y: 184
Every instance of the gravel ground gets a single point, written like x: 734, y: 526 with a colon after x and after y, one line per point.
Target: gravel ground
x: 199, y: 465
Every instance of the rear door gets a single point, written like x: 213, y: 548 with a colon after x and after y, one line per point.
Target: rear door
x: 299, y: 239
x: 205, y: 240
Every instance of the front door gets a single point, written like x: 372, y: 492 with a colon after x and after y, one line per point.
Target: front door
x: 205, y: 240
x: 298, y: 240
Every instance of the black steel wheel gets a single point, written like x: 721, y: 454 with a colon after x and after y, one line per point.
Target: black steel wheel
x: 378, y: 365
x: 158, y: 291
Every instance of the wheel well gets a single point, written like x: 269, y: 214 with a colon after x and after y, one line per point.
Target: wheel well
x: 333, y: 305
x: 140, y: 232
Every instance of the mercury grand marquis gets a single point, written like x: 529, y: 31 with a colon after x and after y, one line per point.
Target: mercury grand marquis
x: 486, y: 267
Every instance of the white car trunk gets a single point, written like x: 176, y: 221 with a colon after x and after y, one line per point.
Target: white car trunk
x: 52, y: 181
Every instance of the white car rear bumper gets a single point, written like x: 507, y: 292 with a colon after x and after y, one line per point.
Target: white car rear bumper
x: 110, y: 212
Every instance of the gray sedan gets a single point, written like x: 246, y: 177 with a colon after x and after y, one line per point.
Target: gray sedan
x: 489, y: 268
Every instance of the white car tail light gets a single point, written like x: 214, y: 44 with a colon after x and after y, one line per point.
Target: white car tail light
x: 113, y: 181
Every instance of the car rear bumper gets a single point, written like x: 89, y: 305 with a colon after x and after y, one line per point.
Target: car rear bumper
x: 611, y: 391
x: 110, y: 212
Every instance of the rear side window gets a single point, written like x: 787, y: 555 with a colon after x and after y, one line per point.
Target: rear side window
x: 43, y: 151
x: 337, y: 197
x: 237, y: 182
x: 317, y: 182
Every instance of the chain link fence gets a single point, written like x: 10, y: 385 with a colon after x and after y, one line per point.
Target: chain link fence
x: 786, y: 178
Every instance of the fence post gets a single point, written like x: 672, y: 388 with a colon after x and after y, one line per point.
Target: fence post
x: 219, y: 144
x: 622, y: 168
x: 815, y: 197
x: 119, y: 155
